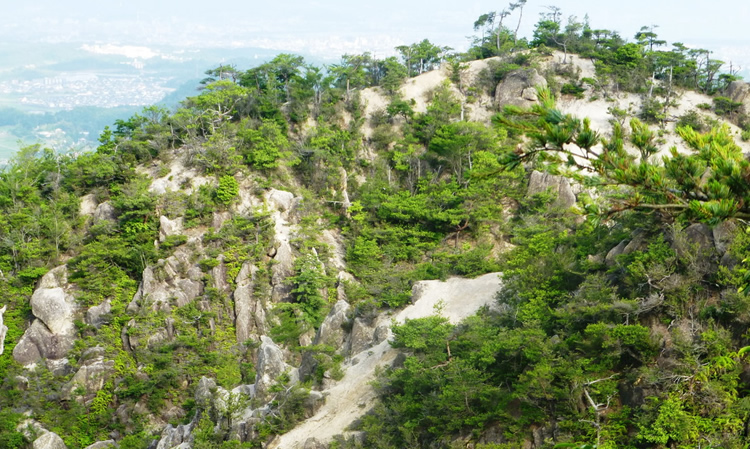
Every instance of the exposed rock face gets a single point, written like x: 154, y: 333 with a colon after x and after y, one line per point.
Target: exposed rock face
x: 723, y: 234
x: 52, y: 307
x: 3, y: 330
x: 105, y: 211
x: 49, y: 440
x: 108, y: 444
x: 174, y: 280
x: 364, y: 334
x: 98, y: 315
x: 87, y: 206
x: 52, y: 334
x: 92, y: 374
x: 559, y: 185
x: 739, y: 91
x: 176, y: 437
x: 250, y: 312
x: 169, y: 227
x: 519, y: 88
x: 331, y: 331
x: 270, y: 366
x: 282, y: 204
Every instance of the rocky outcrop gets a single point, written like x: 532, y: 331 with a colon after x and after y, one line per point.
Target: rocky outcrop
x: 99, y: 315
x: 105, y: 211
x: 331, y: 331
x: 169, y: 227
x: 174, y: 281
x: 87, y: 205
x: 739, y: 91
x: 108, y: 444
x: 282, y: 203
x: 3, y: 330
x: 557, y: 185
x: 93, y: 373
x: 518, y: 88
x: 270, y: 367
x: 250, y: 311
x: 49, y: 440
x: 52, y: 334
x: 180, y: 437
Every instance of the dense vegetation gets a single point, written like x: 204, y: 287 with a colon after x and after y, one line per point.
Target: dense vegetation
x: 641, y: 349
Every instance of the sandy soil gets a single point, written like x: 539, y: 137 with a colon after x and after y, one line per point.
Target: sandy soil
x: 353, y: 396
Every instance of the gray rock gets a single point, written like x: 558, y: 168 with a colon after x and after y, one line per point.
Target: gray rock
x: 98, y: 315
x: 38, y: 343
x: 87, y: 205
x: 105, y: 211
x: 739, y: 91
x: 178, y: 281
x: 312, y: 403
x: 59, y: 367
x: 281, y: 270
x: 699, y: 238
x: 313, y: 443
x: 108, y: 444
x: 55, y: 309
x: 169, y: 227
x: 270, y: 366
x: 3, y: 330
x: 204, y: 392
x: 280, y: 200
x: 558, y: 185
x: 724, y: 234
x: 250, y: 312
x: 174, y: 437
x: 361, y: 336
x: 518, y: 88
x: 91, y: 376
x: 332, y: 331
x: 49, y: 440
x: 56, y: 277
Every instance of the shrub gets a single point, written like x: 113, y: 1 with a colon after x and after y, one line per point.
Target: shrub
x: 228, y: 189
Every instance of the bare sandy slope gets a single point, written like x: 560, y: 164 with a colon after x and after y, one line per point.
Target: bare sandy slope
x: 353, y: 396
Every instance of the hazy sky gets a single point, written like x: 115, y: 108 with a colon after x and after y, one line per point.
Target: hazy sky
x: 332, y: 27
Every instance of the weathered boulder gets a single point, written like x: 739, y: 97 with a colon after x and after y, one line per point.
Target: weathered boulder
x: 250, y: 312
x: 108, y: 444
x: 313, y: 443
x: 331, y: 331
x: 611, y: 257
x: 518, y: 88
x: 739, y: 91
x: 87, y: 205
x: 38, y: 344
x: 169, y: 227
x: 92, y: 374
x: 281, y: 270
x: 98, y: 315
x: 366, y: 333
x: 557, y: 185
x: 54, y: 309
x: 105, y: 211
x: 270, y: 366
x: 3, y: 330
x: 724, y: 234
x: 174, y: 280
x: 280, y: 200
x: 312, y: 403
x: 176, y: 437
x: 49, y: 440
x: 695, y: 240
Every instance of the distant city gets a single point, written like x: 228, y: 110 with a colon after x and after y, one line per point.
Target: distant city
x: 70, y: 90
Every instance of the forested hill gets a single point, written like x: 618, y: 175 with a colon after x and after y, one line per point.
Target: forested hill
x: 308, y: 257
